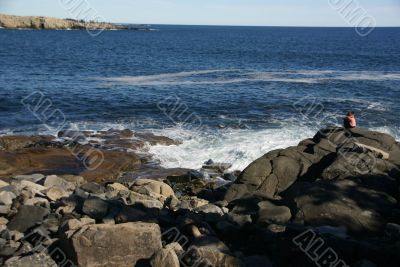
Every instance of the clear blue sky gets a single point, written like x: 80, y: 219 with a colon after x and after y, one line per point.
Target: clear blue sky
x: 213, y: 12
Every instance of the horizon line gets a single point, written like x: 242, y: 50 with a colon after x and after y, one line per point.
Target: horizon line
x: 215, y: 25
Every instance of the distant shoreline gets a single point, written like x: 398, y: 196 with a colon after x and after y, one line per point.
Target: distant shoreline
x: 48, y: 23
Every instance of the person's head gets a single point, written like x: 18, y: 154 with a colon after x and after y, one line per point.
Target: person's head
x: 350, y: 114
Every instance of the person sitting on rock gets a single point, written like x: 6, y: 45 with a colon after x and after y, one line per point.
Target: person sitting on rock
x: 350, y: 120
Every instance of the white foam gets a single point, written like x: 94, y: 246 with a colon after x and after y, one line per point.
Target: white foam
x: 237, y: 146
x: 230, y: 76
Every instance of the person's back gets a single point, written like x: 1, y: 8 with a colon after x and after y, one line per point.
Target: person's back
x: 350, y: 120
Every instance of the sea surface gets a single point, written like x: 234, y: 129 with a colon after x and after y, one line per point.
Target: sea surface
x: 228, y: 93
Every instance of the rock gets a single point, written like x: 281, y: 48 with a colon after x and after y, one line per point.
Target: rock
x: 33, y: 260
x: 74, y: 224
x: 165, y: 257
x: 3, y: 184
x: 6, y: 198
x: 27, y: 217
x: 5, y: 209
x: 3, y: 221
x: 117, y: 187
x: 117, y: 245
x: 55, y: 193
x: 205, y: 256
x: 267, y: 176
x: 55, y: 181
x: 365, y: 263
x: 90, y: 163
x: 36, y: 188
x: 210, y: 212
x: 130, y: 214
x: 37, y: 201
x: 218, y: 167
x: 270, y: 213
x: 48, y: 23
x: 13, y: 143
x: 93, y: 188
x: 156, y: 187
x: 74, y: 179
x: 95, y: 208
x: 257, y: 261
x: 32, y: 177
x: 344, y: 202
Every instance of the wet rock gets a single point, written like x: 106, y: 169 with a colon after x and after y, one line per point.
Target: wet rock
x: 95, y: 208
x: 118, y: 245
x: 270, y: 213
x: 218, y: 167
x: 27, y: 217
x: 92, y: 164
x: 13, y: 143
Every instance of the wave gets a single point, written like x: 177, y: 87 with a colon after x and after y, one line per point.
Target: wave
x: 228, y: 76
x: 236, y: 146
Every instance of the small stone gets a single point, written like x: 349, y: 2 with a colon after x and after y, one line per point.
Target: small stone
x: 55, y: 181
x: 16, y: 236
x: 74, y: 179
x: 3, y: 221
x: 3, y: 184
x: 33, y: 186
x: 95, y: 208
x: 74, y: 224
x: 5, y: 209
x: 32, y: 177
x: 55, y: 193
x: 37, y: 201
x: 93, y: 188
x: 165, y: 257
x: 117, y: 187
x: 273, y: 214
x: 6, y: 198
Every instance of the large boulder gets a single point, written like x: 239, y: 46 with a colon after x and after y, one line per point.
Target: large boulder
x: 271, y: 174
x: 113, y: 245
x: 350, y: 202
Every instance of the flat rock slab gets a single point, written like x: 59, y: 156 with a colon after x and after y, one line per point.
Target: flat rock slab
x: 27, y: 217
x: 115, y: 245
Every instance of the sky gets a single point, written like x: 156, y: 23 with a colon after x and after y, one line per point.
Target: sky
x: 214, y: 12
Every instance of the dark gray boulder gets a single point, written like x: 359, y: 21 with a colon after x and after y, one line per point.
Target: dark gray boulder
x: 27, y: 217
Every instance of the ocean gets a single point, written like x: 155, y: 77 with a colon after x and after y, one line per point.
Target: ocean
x: 230, y: 94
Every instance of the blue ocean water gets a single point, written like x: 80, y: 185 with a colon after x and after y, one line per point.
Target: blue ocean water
x: 230, y: 93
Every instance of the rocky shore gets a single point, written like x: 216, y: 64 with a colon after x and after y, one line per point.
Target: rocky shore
x: 48, y: 23
x: 98, y: 199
